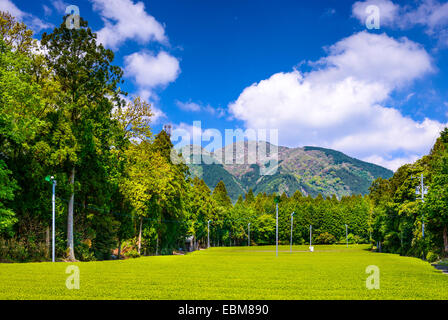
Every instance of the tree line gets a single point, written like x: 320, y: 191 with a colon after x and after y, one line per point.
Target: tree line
x: 401, y: 222
x: 119, y: 194
x: 63, y: 113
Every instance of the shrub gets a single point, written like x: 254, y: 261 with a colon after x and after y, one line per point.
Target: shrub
x: 131, y: 254
x: 83, y: 252
x: 325, y: 238
x: 13, y: 250
x: 432, y: 257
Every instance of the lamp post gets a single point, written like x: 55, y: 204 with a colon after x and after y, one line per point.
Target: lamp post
x: 290, y: 243
x: 53, y: 214
x: 208, y: 234
x: 277, y: 200
x: 422, y: 190
x: 248, y: 234
x: 53, y: 202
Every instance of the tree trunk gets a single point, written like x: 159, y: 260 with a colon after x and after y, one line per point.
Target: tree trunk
x: 70, y: 241
x: 140, y: 235
x: 445, y: 239
x: 119, y: 249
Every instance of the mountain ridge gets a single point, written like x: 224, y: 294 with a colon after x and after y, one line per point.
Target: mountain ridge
x: 309, y: 169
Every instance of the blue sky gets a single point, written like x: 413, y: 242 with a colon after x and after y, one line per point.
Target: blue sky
x: 311, y: 69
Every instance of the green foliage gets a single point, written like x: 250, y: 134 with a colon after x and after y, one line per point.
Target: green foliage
x: 62, y: 113
x: 220, y: 195
x: 325, y: 238
x: 7, y: 188
x: 432, y: 257
x: 13, y: 250
x: 340, y: 158
x: 398, y: 214
x: 84, y: 253
x: 264, y: 229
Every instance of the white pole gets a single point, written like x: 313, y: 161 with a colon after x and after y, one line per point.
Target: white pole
x: 248, y: 238
x: 423, y: 200
x: 311, y: 229
x: 53, y: 202
x: 276, y: 229
x: 292, y: 219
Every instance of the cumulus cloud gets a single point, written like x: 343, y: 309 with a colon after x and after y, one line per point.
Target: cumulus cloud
x: 430, y: 14
x: 6, y: 5
x: 149, y: 70
x: 388, y: 11
x: 32, y: 21
x: 123, y: 20
x: 340, y: 104
x: 392, y: 164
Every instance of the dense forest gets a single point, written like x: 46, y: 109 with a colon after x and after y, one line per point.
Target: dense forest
x: 400, y: 214
x: 118, y: 194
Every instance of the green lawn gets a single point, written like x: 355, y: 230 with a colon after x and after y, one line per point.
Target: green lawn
x: 331, y: 272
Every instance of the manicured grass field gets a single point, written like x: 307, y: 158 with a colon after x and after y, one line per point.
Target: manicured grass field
x: 331, y: 272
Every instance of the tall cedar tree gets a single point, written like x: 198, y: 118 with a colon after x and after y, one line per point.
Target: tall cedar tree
x: 88, y: 87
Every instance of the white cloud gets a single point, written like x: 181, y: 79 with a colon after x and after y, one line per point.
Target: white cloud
x: 188, y: 106
x: 185, y: 134
x: 30, y: 20
x: 7, y: 5
x: 430, y: 14
x: 218, y: 112
x: 126, y: 20
x: 392, y: 164
x: 47, y: 10
x: 150, y: 70
x: 194, y: 131
x: 388, y: 11
x: 123, y: 20
x: 196, y: 107
x: 60, y: 6
x: 340, y: 104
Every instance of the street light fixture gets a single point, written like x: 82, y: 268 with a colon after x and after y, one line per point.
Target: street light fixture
x: 248, y: 238
x: 53, y: 213
x: 276, y: 200
x: 292, y: 220
x: 311, y: 233
x: 208, y: 234
x: 421, y: 190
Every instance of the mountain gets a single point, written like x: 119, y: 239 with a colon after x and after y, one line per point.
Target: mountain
x: 312, y: 170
